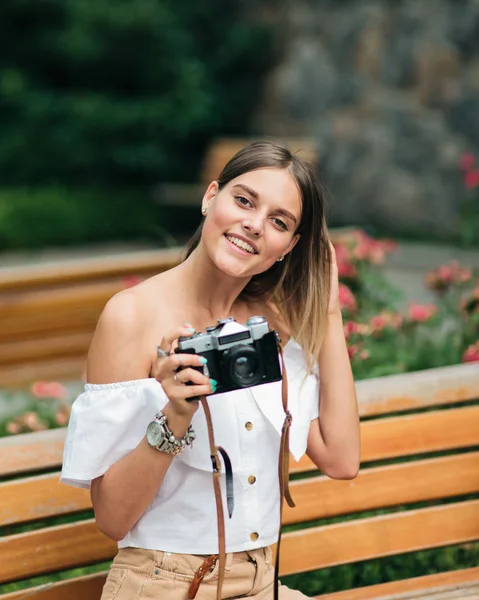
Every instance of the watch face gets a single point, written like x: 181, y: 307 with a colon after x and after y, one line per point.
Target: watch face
x: 154, y: 433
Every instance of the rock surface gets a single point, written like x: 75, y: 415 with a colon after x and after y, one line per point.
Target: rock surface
x: 390, y: 91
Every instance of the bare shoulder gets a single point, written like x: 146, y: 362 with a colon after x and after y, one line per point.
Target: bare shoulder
x: 119, y: 351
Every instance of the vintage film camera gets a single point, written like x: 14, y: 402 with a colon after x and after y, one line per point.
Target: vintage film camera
x: 239, y: 356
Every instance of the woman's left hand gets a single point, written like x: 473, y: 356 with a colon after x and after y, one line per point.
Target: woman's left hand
x: 333, y: 305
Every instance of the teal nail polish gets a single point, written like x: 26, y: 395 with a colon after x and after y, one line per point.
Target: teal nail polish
x: 203, y: 360
x: 213, y: 382
x: 191, y: 330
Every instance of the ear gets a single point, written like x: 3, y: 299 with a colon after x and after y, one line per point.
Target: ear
x: 209, y: 195
x: 292, y: 244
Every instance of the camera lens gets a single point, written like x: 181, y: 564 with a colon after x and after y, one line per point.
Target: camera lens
x: 244, y: 366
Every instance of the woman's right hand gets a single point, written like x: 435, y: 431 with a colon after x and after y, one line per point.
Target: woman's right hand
x: 174, y: 370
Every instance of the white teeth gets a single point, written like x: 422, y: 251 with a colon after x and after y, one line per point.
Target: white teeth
x: 241, y: 244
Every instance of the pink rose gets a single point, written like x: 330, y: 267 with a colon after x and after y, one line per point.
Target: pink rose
x: 347, y: 301
x: 49, y: 389
x: 471, y: 354
x: 421, y: 312
x: 471, y: 179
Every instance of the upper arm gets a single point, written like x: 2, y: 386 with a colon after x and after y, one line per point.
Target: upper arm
x: 116, y: 352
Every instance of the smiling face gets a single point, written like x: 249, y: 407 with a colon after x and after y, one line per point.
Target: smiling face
x: 251, y: 221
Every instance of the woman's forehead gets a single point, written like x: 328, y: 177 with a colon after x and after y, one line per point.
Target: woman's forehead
x: 270, y: 185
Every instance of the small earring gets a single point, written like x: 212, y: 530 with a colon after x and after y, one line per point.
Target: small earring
x: 280, y: 258
x: 204, y: 210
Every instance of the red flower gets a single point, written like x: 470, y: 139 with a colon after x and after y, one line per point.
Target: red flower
x: 421, y: 312
x: 466, y: 161
x: 471, y: 179
x: 49, y: 389
x: 472, y: 353
x: 347, y: 301
x: 447, y: 275
x: 350, y: 328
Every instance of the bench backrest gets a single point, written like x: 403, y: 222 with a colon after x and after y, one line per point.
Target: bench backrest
x: 419, y: 431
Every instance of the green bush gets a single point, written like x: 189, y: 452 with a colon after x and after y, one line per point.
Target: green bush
x: 122, y: 93
x: 58, y: 216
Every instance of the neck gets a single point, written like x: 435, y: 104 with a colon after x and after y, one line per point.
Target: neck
x: 213, y: 293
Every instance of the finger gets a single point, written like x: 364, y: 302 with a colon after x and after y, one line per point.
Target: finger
x: 183, y: 360
x: 193, y: 376
x: 190, y: 391
x: 170, y: 341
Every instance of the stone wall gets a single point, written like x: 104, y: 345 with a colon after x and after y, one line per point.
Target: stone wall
x: 390, y: 91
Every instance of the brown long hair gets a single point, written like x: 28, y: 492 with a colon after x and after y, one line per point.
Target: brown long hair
x: 299, y: 286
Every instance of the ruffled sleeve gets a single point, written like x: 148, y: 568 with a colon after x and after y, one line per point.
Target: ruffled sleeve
x: 106, y: 423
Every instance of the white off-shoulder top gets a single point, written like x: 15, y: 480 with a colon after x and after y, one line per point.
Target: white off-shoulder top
x: 109, y: 420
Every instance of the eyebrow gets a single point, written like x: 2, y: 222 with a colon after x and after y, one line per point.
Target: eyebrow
x: 255, y: 195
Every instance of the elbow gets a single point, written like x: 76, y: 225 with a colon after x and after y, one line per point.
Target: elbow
x: 346, y: 471
x: 111, y: 530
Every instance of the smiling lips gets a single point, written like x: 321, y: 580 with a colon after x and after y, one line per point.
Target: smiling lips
x: 240, y: 243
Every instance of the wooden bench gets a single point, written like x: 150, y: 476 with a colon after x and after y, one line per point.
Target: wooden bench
x: 217, y: 155
x: 423, y: 427
x: 49, y: 312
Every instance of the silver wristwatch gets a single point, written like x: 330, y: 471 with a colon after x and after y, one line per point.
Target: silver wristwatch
x: 160, y: 436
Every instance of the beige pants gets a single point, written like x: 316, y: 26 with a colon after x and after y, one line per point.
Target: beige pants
x: 138, y: 574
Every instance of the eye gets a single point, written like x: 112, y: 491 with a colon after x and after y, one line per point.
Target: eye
x: 280, y: 223
x: 242, y: 200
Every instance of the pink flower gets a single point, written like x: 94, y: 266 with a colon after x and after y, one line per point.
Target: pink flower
x: 13, y: 427
x: 346, y: 269
x: 353, y: 350
x: 445, y: 276
x: 347, y: 301
x: 62, y: 415
x: 49, y: 389
x: 471, y: 179
x: 466, y: 161
x: 350, y: 328
x: 421, y: 312
x: 471, y: 354
x: 377, y: 323
x: 31, y: 421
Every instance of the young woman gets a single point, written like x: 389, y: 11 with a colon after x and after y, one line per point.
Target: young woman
x: 262, y: 249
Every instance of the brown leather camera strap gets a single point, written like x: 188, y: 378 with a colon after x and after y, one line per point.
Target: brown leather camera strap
x: 283, y: 472
x: 283, y: 469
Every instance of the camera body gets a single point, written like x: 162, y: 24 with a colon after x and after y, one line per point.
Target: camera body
x: 239, y: 356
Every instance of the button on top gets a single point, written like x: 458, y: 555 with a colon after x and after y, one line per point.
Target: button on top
x: 254, y: 536
x: 251, y: 479
x: 248, y: 425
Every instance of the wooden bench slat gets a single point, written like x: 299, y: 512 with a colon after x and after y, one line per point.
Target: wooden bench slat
x: 87, y: 587
x: 431, y: 479
x: 425, y: 432
x: 388, y: 486
x: 56, y: 369
x: 375, y: 537
x: 39, y: 497
x: 419, y: 389
x: 419, y: 586
x: 34, y: 350
x: 381, y: 439
x: 31, y: 451
x: 50, y: 550
x: 74, y: 271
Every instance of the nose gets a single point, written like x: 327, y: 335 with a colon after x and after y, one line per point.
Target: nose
x: 253, y: 226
